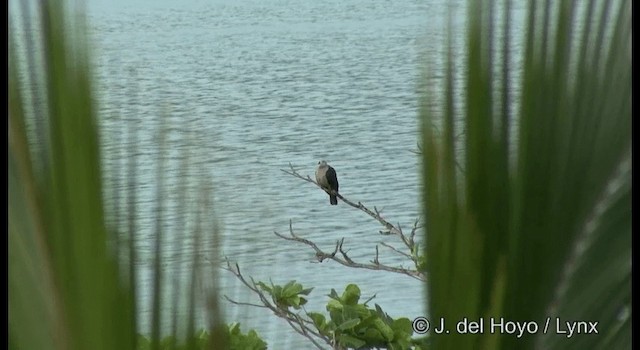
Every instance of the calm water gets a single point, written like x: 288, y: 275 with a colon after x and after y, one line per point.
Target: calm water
x: 246, y: 87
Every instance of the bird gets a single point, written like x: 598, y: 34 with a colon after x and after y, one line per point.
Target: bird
x: 327, y: 178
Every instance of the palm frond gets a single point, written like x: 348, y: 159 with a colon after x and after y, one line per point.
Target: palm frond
x: 70, y: 284
x: 504, y: 244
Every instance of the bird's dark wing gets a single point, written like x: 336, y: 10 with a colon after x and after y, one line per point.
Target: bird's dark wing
x: 332, y: 179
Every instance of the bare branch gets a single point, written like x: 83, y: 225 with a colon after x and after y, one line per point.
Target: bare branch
x: 376, y: 215
x: 241, y: 303
x: 395, y: 250
x: 390, y: 229
x: 376, y: 260
x: 299, y: 324
x: 346, y: 260
x: 320, y: 255
x: 305, y: 326
x: 370, y: 298
x: 414, y: 230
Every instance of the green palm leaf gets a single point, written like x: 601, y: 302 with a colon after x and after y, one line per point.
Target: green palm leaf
x: 67, y: 288
x: 524, y: 237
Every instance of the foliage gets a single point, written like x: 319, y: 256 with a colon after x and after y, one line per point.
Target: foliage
x: 349, y: 324
x: 536, y: 226
x: 70, y: 273
x: 239, y: 341
x: 289, y: 295
x: 62, y: 276
x: 202, y: 339
x: 357, y: 326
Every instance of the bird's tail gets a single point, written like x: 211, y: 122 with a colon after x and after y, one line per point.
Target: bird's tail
x: 333, y: 200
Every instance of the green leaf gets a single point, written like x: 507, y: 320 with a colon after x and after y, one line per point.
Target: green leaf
x: 336, y: 316
x: 373, y: 336
x: 607, y: 240
x: 334, y: 295
x: 234, y: 328
x: 293, y: 301
x: 143, y: 342
x: 306, y: 291
x: 357, y: 311
x: 302, y: 301
x: 318, y: 319
x: 203, y: 334
x: 334, y: 305
x: 402, y: 326
x: 526, y: 191
x: 348, y: 324
x: 264, y: 287
x: 291, y: 289
x: 385, y: 330
x: 351, y: 295
x: 63, y: 274
x: 350, y: 342
x: 250, y: 341
x: 168, y: 342
x: 276, y: 292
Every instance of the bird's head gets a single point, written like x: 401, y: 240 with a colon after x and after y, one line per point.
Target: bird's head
x: 322, y: 163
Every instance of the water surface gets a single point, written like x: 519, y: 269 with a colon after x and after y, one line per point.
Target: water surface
x: 246, y: 87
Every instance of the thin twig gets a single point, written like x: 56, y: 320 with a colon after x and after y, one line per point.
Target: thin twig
x: 376, y: 260
x: 390, y: 227
x: 346, y: 260
x: 306, y: 327
x: 241, y: 303
x: 396, y: 250
x: 299, y: 324
x: 368, y: 300
x: 408, y: 241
